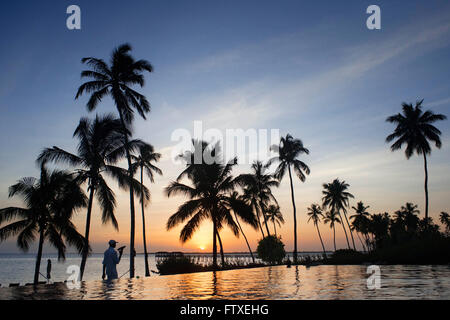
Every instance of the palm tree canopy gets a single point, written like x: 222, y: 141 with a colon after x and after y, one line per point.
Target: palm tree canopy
x: 274, y: 214
x: 335, y: 195
x: 100, y: 146
x: 332, y: 218
x: 315, y: 213
x: 49, y: 205
x: 116, y: 79
x: 288, y: 152
x: 415, y: 129
x: 209, y: 196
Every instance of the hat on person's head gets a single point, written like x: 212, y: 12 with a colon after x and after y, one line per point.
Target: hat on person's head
x: 112, y: 242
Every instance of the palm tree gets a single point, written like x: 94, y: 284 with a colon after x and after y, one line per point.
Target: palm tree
x: 289, y: 150
x: 274, y: 215
x: 408, y: 217
x: 336, y: 198
x: 143, y: 160
x: 100, y: 146
x: 209, y: 196
x: 332, y: 218
x: 50, y: 202
x: 116, y: 80
x: 415, y: 129
x: 360, y: 221
x: 235, y: 198
x: 315, y: 214
x: 257, y: 190
x: 444, y: 217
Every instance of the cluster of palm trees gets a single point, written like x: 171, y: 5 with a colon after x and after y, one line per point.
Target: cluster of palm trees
x: 53, y: 199
x: 212, y: 194
x: 103, y: 142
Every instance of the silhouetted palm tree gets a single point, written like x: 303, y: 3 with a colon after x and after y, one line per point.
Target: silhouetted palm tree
x: 274, y: 215
x: 336, y: 198
x: 332, y: 218
x: 360, y: 221
x: 315, y: 214
x: 257, y: 190
x: 100, y: 146
x: 209, y: 196
x: 414, y: 128
x: 407, y: 216
x: 444, y: 217
x: 143, y: 161
x: 50, y: 202
x: 116, y: 80
x: 289, y: 150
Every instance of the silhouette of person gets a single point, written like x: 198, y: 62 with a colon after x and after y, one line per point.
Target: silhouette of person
x: 49, y: 269
x: 110, y: 260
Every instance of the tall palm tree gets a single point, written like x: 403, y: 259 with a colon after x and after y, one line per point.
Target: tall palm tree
x: 315, y: 214
x: 336, y: 198
x: 209, y: 196
x: 360, y: 221
x: 144, y: 161
x: 274, y: 215
x: 257, y: 190
x: 116, y: 80
x: 235, y: 197
x: 100, y: 146
x: 289, y: 150
x: 50, y: 202
x: 332, y: 218
x: 415, y: 129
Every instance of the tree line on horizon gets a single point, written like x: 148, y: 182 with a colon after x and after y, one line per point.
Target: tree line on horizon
x: 214, y: 194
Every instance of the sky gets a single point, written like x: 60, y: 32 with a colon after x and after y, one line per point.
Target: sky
x: 311, y: 69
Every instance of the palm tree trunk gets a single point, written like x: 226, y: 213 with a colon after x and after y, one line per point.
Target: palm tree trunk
x: 275, y: 229
x: 147, y: 270
x: 334, y: 237
x: 362, y: 243
x: 426, y: 184
x: 39, y: 257
x: 132, y: 213
x: 86, y: 233
x: 222, y: 256
x: 214, y: 244
x: 242, y: 231
x: 345, y: 231
x: 259, y: 221
x: 320, y: 237
x: 295, y: 216
x: 350, y: 229
x: 265, y: 221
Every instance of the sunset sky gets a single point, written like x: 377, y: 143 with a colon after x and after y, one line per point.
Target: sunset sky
x: 309, y: 69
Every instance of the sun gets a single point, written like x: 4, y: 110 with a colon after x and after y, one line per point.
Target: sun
x: 202, y: 248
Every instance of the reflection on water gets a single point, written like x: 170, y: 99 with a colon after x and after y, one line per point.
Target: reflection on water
x: 280, y: 282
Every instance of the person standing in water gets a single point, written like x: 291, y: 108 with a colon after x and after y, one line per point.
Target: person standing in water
x: 110, y: 260
x: 49, y: 270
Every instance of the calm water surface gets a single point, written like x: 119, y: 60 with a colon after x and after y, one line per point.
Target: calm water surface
x: 279, y: 282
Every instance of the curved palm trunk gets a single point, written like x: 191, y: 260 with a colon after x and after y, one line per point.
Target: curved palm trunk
x: 214, y: 245
x: 345, y: 231
x: 242, y: 231
x: 295, y: 216
x: 86, y: 233
x: 147, y: 270
x: 132, y: 212
x: 265, y: 221
x: 350, y: 229
x: 275, y: 229
x: 426, y: 184
x: 362, y: 243
x: 222, y: 255
x: 39, y: 257
x: 259, y: 220
x: 320, y: 237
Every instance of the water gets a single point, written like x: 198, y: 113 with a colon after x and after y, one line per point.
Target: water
x: 278, y: 282
x: 19, y: 268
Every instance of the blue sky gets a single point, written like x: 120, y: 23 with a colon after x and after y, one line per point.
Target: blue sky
x: 310, y: 69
